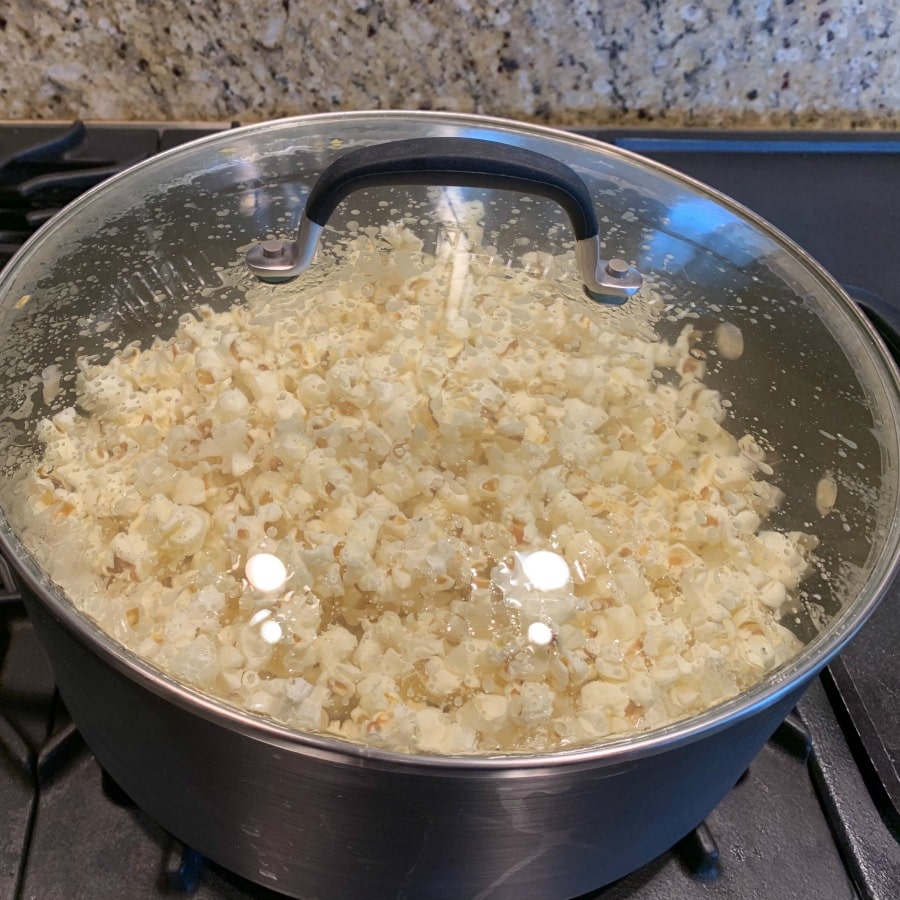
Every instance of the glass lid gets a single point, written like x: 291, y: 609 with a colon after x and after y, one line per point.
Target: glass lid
x: 443, y: 435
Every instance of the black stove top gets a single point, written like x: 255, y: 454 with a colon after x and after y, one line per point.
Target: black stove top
x: 818, y: 812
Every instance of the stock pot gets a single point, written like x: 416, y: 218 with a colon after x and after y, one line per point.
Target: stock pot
x: 311, y: 814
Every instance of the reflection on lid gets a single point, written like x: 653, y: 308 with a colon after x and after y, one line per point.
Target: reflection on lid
x: 540, y: 633
x: 544, y: 570
x: 270, y: 631
x: 265, y: 572
x: 539, y: 587
x: 259, y: 616
x: 694, y: 225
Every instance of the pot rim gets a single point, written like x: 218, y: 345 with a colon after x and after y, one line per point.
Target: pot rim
x: 789, y: 677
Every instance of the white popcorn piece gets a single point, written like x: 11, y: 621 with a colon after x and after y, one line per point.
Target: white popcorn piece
x: 487, y: 713
x: 531, y: 705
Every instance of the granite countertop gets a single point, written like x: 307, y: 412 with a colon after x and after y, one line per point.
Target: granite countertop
x: 807, y: 63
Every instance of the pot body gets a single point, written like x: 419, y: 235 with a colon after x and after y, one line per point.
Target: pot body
x: 341, y: 828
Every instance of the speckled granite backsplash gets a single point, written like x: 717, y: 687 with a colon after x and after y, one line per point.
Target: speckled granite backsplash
x: 823, y: 63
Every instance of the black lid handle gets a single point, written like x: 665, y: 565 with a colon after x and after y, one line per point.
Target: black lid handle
x: 458, y: 162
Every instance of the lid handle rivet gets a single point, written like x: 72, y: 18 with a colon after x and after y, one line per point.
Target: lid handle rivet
x: 617, y: 268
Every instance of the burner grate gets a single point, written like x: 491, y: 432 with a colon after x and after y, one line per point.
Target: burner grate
x: 43, y: 168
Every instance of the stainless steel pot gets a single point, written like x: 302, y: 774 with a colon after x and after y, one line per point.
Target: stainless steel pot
x: 313, y: 816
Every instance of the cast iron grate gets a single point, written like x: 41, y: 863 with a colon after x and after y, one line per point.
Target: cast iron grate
x: 42, y: 168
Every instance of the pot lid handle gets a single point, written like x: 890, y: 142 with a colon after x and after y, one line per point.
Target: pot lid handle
x: 458, y: 162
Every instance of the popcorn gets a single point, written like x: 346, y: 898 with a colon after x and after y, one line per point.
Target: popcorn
x: 531, y: 705
x: 410, y: 437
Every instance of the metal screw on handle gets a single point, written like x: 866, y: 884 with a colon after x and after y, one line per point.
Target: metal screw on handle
x: 272, y: 249
x: 617, y: 268
x: 463, y: 162
x: 609, y: 281
x: 276, y: 261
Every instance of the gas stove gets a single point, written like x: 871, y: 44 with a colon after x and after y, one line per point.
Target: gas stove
x: 818, y: 812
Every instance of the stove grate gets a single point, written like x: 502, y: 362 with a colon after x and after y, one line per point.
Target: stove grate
x: 46, y: 167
